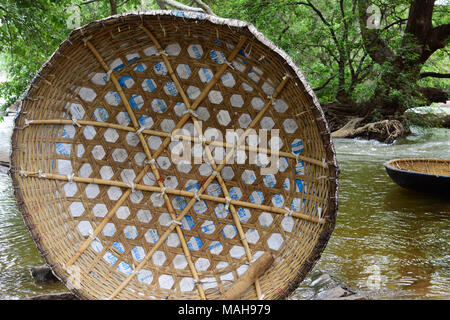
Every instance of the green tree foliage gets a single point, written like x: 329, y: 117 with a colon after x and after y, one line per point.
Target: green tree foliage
x: 343, y: 59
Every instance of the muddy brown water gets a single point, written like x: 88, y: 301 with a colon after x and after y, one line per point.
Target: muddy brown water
x: 388, y: 242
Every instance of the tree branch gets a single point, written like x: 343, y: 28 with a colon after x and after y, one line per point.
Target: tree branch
x: 178, y: 5
x: 323, y: 85
x: 204, y: 6
x: 377, y: 49
x: 434, y: 75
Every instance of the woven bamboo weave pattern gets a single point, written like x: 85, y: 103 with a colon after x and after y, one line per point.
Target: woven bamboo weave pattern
x: 97, y: 175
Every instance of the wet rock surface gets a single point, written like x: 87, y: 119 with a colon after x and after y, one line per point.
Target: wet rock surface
x: 42, y: 274
x: 321, y: 286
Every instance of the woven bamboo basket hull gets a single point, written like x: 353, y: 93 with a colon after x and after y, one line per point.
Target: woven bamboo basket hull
x: 107, y: 205
x: 421, y: 174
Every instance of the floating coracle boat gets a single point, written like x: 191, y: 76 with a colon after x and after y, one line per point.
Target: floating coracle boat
x: 98, y: 177
x: 421, y: 174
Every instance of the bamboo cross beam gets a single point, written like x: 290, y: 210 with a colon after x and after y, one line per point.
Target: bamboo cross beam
x: 177, y: 192
x: 266, y: 151
x: 234, y: 214
x: 211, y: 159
x: 153, y: 166
x: 202, y: 188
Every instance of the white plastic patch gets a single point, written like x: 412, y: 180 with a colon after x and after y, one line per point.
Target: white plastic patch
x: 114, y: 193
x: 248, y: 176
x: 167, y: 125
x: 228, y: 80
x: 160, y: 68
x: 151, y: 236
x: 287, y: 224
x: 77, y: 111
x: 159, y: 105
x: 290, y: 126
x: 217, y: 56
x: 136, y: 101
x: 173, y: 49
x: 70, y: 189
x: 227, y: 173
x: 270, y: 180
x: 194, y: 243
x: 92, y: 191
x: 99, y: 79
x: 208, y: 227
x: 237, y: 252
x: 123, y: 212
x: 244, y: 214
x: 275, y: 241
x: 138, y: 253
x: 76, y: 209
x: 202, y: 264
x: 184, y: 71
x: 123, y: 118
x: 215, y: 96
x: 154, y: 142
x: 173, y: 240
x: 215, y: 247
x: 187, y: 284
x: 87, y: 94
x: 144, y: 215
x: 265, y: 219
x: 159, y: 257
x: 150, y: 51
x: 166, y: 281
x: 113, y: 98
x: 85, y: 170
x: 100, y: 210
x: 244, y: 120
x: 229, y: 231
x: 109, y: 229
x: 195, y: 51
x: 278, y: 201
x: 149, y: 85
x: 132, y: 139
x: 257, y: 197
x: 98, y: 152
x: 268, y: 89
x: 179, y: 261
x: 170, y: 89
x: 64, y: 167
x: 106, y: 172
x: 193, y: 92
x: 297, y: 146
x: 126, y: 82
x: 236, y: 100
x: 130, y: 232
x: 145, y: 276
x: 89, y: 132
x: 80, y: 150
x: 223, y: 117
x: 119, y: 155
x: 257, y: 103
x: 252, y: 236
x: 163, y: 162
x: 205, y: 74
x: 267, y: 123
x: 85, y: 228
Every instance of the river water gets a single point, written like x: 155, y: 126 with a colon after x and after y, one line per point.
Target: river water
x: 388, y: 242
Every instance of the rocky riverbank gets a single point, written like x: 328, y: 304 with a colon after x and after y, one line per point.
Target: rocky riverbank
x: 317, y: 286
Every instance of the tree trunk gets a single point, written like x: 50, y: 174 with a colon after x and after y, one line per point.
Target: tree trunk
x: 113, y: 4
x: 397, y: 88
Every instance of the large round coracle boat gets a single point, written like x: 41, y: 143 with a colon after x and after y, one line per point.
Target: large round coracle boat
x: 129, y: 182
x: 421, y: 174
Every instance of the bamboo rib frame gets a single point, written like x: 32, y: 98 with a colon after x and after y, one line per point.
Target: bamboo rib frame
x: 306, y: 218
